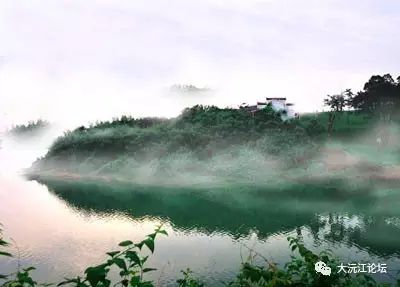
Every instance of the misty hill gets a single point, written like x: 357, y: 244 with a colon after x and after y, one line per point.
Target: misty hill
x: 32, y: 128
x: 188, y: 89
x: 204, y: 144
x: 208, y: 141
x: 199, y: 134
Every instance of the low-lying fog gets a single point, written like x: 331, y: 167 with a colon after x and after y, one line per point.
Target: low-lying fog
x: 358, y: 160
x: 19, y: 152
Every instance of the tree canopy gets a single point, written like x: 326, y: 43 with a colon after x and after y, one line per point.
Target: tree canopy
x: 381, y: 95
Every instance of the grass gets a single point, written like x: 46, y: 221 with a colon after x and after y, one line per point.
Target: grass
x: 346, y: 122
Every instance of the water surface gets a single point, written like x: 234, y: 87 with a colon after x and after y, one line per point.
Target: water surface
x: 62, y: 226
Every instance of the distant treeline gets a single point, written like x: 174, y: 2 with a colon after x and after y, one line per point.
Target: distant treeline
x: 380, y: 95
x: 29, y: 128
x: 188, y: 89
x: 380, y: 99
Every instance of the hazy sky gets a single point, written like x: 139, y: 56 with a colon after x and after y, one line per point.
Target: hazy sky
x: 77, y: 61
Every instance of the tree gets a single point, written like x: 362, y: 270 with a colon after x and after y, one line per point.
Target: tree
x: 380, y: 96
x: 336, y: 103
x: 349, y: 97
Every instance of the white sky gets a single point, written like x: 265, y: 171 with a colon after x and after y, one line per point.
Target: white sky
x: 78, y: 61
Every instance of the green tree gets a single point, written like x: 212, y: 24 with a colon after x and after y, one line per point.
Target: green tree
x: 349, y: 97
x: 336, y: 103
x: 380, y: 97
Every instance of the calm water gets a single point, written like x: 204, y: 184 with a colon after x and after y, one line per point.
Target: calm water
x: 62, y: 227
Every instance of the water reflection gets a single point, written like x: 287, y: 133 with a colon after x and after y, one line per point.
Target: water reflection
x: 62, y: 240
x: 329, y: 210
x: 63, y: 226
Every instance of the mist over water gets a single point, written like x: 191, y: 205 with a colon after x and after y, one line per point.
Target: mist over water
x: 344, y: 198
x: 369, y: 156
x: 19, y: 152
x: 353, y: 162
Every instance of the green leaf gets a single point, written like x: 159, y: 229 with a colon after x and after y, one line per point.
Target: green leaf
x: 150, y: 244
x: 163, y: 232
x: 5, y: 253
x: 113, y: 253
x: 29, y: 269
x: 120, y: 263
x: 67, y: 281
x: 135, y: 280
x: 148, y: 269
x: 125, y: 243
x: 140, y: 245
x: 96, y: 274
x: 132, y: 255
x: 152, y: 236
x: 144, y: 259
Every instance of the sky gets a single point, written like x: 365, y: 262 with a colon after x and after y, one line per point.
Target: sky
x: 75, y: 62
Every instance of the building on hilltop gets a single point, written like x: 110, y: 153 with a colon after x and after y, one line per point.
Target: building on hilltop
x: 278, y: 104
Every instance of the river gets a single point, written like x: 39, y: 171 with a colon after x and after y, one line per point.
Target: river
x: 63, y: 226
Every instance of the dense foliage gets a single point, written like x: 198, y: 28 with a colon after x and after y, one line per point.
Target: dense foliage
x: 130, y: 265
x: 379, y: 97
x: 381, y: 94
x: 201, y: 131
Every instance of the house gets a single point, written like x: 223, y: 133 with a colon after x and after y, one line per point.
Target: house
x: 251, y: 109
x: 261, y: 105
x: 278, y: 104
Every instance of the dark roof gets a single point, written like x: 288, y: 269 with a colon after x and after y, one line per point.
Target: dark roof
x: 281, y: 99
x: 289, y: 104
x: 261, y: 103
x: 251, y: 108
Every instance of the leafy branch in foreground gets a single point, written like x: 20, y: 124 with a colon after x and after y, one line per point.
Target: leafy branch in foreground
x: 19, y: 278
x: 300, y: 271
x: 130, y: 263
x: 188, y: 280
